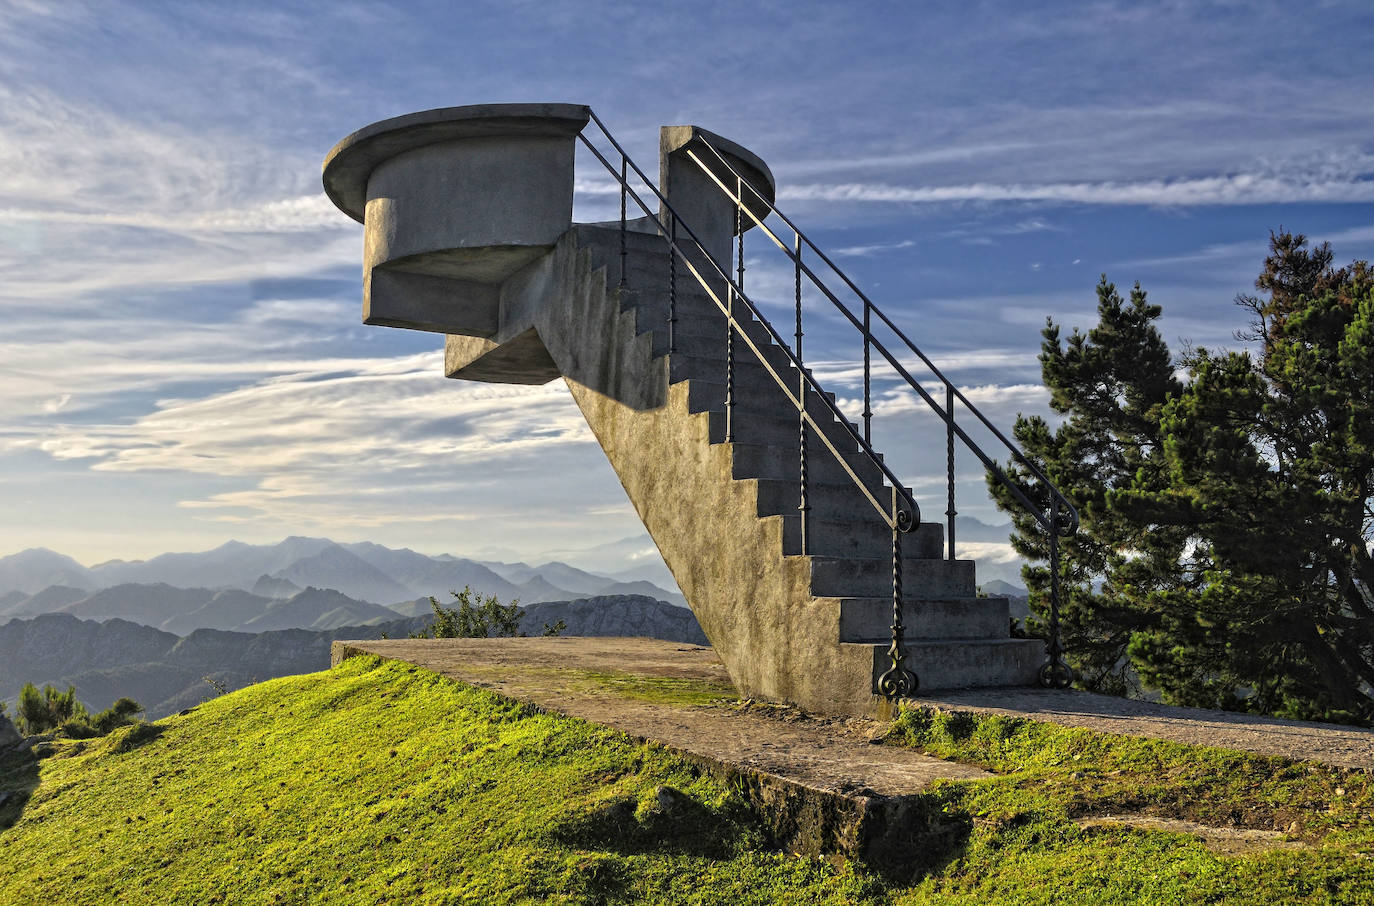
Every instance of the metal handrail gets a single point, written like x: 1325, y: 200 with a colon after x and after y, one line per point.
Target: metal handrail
x: 1062, y: 518
x: 905, y: 514
x: 1069, y: 527
x: 907, y: 517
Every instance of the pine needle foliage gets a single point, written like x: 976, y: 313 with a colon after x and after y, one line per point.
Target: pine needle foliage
x: 1226, y: 556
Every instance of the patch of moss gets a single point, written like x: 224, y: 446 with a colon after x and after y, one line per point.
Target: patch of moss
x: 661, y: 690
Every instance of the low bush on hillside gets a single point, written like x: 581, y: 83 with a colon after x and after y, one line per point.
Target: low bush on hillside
x: 52, y: 710
x: 478, y: 616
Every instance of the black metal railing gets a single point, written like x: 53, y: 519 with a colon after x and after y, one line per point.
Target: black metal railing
x: 1056, y: 515
x: 900, y: 513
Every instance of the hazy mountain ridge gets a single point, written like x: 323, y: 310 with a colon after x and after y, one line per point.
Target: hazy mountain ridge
x: 363, y: 571
x: 184, y: 610
x: 166, y: 673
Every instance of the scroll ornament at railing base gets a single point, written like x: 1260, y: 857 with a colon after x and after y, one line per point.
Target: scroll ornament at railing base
x: 1056, y: 674
x: 897, y: 681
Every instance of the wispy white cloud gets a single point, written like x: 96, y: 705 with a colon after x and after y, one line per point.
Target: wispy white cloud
x: 1233, y: 189
x: 306, y: 213
x: 866, y: 251
x: 315, y: 442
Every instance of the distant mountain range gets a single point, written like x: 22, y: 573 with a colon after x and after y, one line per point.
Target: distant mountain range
x: 41, y: 581
x: 166, y: 672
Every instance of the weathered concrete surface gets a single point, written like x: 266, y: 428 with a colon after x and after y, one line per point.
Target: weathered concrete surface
x: 696, y: 198
x: 467, y: 214
x: 820, y: 784
x: 1350, y: 747
x: 454, y: 201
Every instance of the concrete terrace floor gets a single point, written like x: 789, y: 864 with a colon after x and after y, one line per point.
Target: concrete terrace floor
x: 593, y: 679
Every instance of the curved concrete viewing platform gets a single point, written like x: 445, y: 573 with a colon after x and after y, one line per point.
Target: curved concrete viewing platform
x: 454, y: 201
x: 457, y: 200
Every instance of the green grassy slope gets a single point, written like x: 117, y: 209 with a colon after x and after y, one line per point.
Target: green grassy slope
x: 383, y: 783
x: 378, y: 782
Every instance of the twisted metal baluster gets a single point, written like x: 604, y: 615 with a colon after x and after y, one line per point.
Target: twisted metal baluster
x: 949, y: 462
x: 739, y: 232
x: 868, y: 383
x: 624, y: 186
x: 730, y: 365
x: 804, y: 507
x: 672, y: 285
x: 897, y: 681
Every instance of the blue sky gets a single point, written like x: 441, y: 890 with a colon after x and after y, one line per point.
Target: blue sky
x: 181, y: 354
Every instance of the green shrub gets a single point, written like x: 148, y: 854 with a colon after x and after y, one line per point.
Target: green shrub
x: 120, y: 714
x: 52, y: 710
x: 476, y: 617
x: 40, y: 712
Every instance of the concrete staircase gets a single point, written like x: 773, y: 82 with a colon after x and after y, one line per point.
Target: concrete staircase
x: 810, y: 627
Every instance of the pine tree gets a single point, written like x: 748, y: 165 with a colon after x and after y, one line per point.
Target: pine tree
x: 1225, y: 552
x: 1110, y: 385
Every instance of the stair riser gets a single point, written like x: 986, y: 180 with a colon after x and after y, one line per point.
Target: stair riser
x: 967, y: 664
x: 750, y: 375
x: 867, y: 539
x: 757, y: 428
x: 709, y: 357
x: 870, y: 619
x: 768, y: 399
x: 757, y: 461
x: 868, y: 578
x: 840, y: 502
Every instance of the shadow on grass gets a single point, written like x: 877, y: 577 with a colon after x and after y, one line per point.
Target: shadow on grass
x: 687, y: 828
x: 129, y: 738
x: 899, y: 839
x: 18, y: 780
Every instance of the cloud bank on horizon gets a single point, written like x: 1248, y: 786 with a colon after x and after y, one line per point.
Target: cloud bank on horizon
x: 181, y: 348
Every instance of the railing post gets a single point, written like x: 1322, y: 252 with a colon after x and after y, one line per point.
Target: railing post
x: 897, y: 681
x: 672, y: 285
x: 729, y: 364
x: 804, y: 506
x: 624, y: 188
x: 739, y: 232
x: 868, y: 383
x: 949, y: 462
x: 1056, y: 674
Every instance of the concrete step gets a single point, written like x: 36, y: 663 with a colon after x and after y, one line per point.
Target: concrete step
x: 708, y: 353
x: 769, y: 400
x: 784, y: 462
x: 966, y: 663
x: 868, y: 538
x: 870, y: 619
x: 833, y: 577
x: 604, y: 239
x: 782, y: 431
x: 839, y: 501
x: 750, y: 374
x: 699, y: 320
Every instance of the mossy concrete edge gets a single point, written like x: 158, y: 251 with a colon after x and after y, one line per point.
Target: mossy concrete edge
x: 886, y: 833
